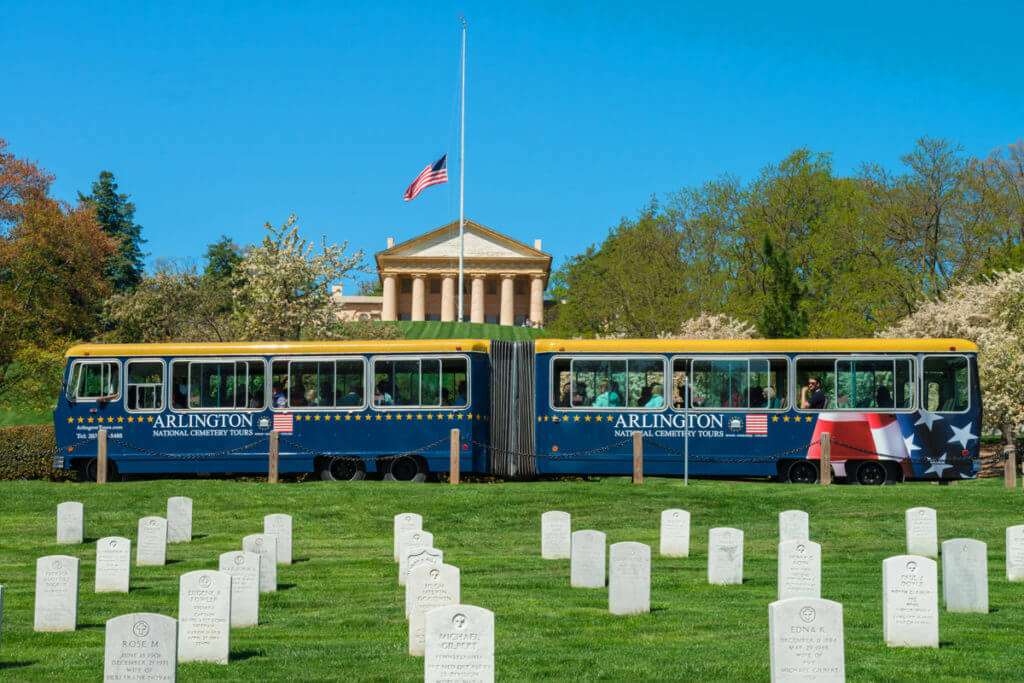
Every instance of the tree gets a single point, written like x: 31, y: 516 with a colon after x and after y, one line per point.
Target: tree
x: 117, y: 217
x: 713, y: 326
x: 782, y: 314
x: 222, y: 260
x: 370, y: 288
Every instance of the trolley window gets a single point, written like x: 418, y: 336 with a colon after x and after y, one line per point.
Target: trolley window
x: 318, y: 383
x: 144, y: 385
x: 420, y: 382
x: 218, y: 385
x: 95, y: 381
x: 618, y: 383
x: 822, y: 373
x: 947, y: 384
x: 876, y: 384
x: 739, y: 383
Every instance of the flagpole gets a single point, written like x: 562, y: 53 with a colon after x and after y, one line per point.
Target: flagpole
x: 462, y: 170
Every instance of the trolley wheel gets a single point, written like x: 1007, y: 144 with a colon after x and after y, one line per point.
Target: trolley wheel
x: 88, y: 470
x: 871, y: 473
x: 802, y: 472
x: 406, y: 468
x: 342, y: 469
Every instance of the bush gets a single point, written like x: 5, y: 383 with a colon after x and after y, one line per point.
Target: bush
x: 27, y: 453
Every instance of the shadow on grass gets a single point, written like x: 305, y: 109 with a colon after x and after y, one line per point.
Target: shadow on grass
x: 285, y: 586
x: 81, y: 626
x: 173, y: 561
x: 198, y: 536
x: 14, y: 665
x: 943, y: 644
x: 296, y: 560
x: 659, y: 609
x: 242, y: 655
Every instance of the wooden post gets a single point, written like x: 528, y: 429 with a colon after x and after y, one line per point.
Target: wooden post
x: 1010, y: 466
x: 101, y: 456
x: 825, y: 449
x: 455, y: 461
x: 272, y: 465
x: 638, y: 457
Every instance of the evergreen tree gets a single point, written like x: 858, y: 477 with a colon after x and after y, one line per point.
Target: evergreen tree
x: 116, y: 215
x: 782, y: 315
x: 222, y: 259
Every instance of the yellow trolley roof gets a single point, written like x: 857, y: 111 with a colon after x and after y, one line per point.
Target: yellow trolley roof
x: 670, y: 346
x: 281, y: 348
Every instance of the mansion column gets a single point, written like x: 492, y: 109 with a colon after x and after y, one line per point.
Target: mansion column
x: 507, y: 299
x: 389, y: 309
x: 448, y: 298
x: 419, y: 299
x: 476, y: 314
x: 537, y: 300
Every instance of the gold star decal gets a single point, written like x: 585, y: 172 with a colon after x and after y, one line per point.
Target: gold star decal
x: 460, y: 416
x: 70, y: 420
x: 469, y: 416
x: 539, y: 418
x: 387, y: 416
x: 775, y: 418
x: 120, y: 419
x: 89, y: 419
x: 130, y: 419
x: 586, y: 418
x: 316, y: 417
x: 408, y: 416
x: 149, y: 419
x: 378, y: 416
x: 398, y: 416
x: 430, y: 416
x: 451, y: 416
x: 348, y: 416
x: 419, y: 416
x: 80, y: 420
x: 576, y: 418
x: 785, y: 418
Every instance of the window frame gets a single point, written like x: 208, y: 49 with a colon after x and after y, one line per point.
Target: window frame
x: 212, y: 359
x: 599, y: 409
x: 790, y: 370
x: 835, y: 358
x: 303, y: 359
x: 418, y: 407
x: 99, y: 399
x: 163, y: 388
x: 922, y: 388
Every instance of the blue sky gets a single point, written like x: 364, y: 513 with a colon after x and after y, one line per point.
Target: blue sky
x: 216, y: 117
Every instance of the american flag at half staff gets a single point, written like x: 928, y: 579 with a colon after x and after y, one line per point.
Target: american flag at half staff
x: 434, y: 174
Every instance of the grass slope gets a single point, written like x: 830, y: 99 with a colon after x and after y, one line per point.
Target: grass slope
x: 456, y: 330
x: 339, y: 612
x: 17, y: 416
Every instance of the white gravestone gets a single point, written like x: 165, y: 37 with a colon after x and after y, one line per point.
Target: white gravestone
x: 428, y: 587
x: 922, y: 532
x: 555, y: 535
x: 151, y: 546
x: 910, y: 601
x: 244, y: 569
x: 725, y: 556
x: 70, y: 522
x: 281, y: 525
x: 204, y: 616
x: 414, y: 540
x: 418, y: 557
x: 264, y: 545
x: 1015, y: 553
x: 56, y: 593
x: 586, y: 568
x: 405, y: 521
x: 675, y: 533
x: 799, y: 570
x: 629, y: 578
x: 794, y: 525
x: 113, y: 564
x: 141, y: 647
x: 459, y: 644
x: 965, y: 575
x: 805, y: 638
x: 179, y: 520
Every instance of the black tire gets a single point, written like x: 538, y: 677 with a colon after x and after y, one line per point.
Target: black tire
x: 406, y: 468
x: 87, y: 470
x: 871, y: 473
x: 342, y: 469
x: 802, y: 472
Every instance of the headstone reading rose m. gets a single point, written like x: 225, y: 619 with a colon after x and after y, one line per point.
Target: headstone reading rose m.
x: 204, y: 616
x: 428, y: 587
x: 113, y: 564
x: 799, y: 570
x: 922, y: 532
x: 794, y: 525
x: 586, y: 568
x: 56, y: 593
x: 417, y: 556
x: 910, y: 601
x: 70, y: 522
x: 675, y: 533
x: 179, y: 520
x: 555, y: 538
x: 244, y: 569
x: 264, y: 545
x: 806, y: 640
x: 1015, y: 553
x: 725, y: 556
x: 151, y: 546
x: 629, y: 578
x: 411, y: 541
x: 965, y: 575
x: 141, y: 647
x: 281, y: 525
x: 405, y: 521
x: 459, y: 644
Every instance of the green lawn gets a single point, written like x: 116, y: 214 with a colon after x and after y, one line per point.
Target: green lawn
x: 455, y: 330
x: 17, y: 416
x: 340, y: 611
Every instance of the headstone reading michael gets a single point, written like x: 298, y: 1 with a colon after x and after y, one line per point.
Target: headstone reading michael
x: 426, y: 588
x: 56, y: 593
x: 965, y: 575
x: 411, y: 541
x: 281, y: 525
x: 794, y: 525
x: 113, y: 564
x: 922, y: 532
x: 799, y: 570
x: 141, y: 647
x: 204, y: 616
x: 675, y: 533
x: 70, y: 522
x: 179, y: 520
x: 244, y: 569
x: 459, y: 644
x: 629, y: 578
x: 405, y: 521
x: 1015, y: 553
x: 555, y: 538
x: 151, y: 546
x: 264, y: 545
x: 586, y: 568
x: 805, y: 638
x: 910, y: 601
x: 725, y: 556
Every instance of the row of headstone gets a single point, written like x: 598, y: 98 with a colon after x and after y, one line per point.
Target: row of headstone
x: 71, y: 521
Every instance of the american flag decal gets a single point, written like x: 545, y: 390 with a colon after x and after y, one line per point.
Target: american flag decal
x: 757, y: 424
x: 283, y: 423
